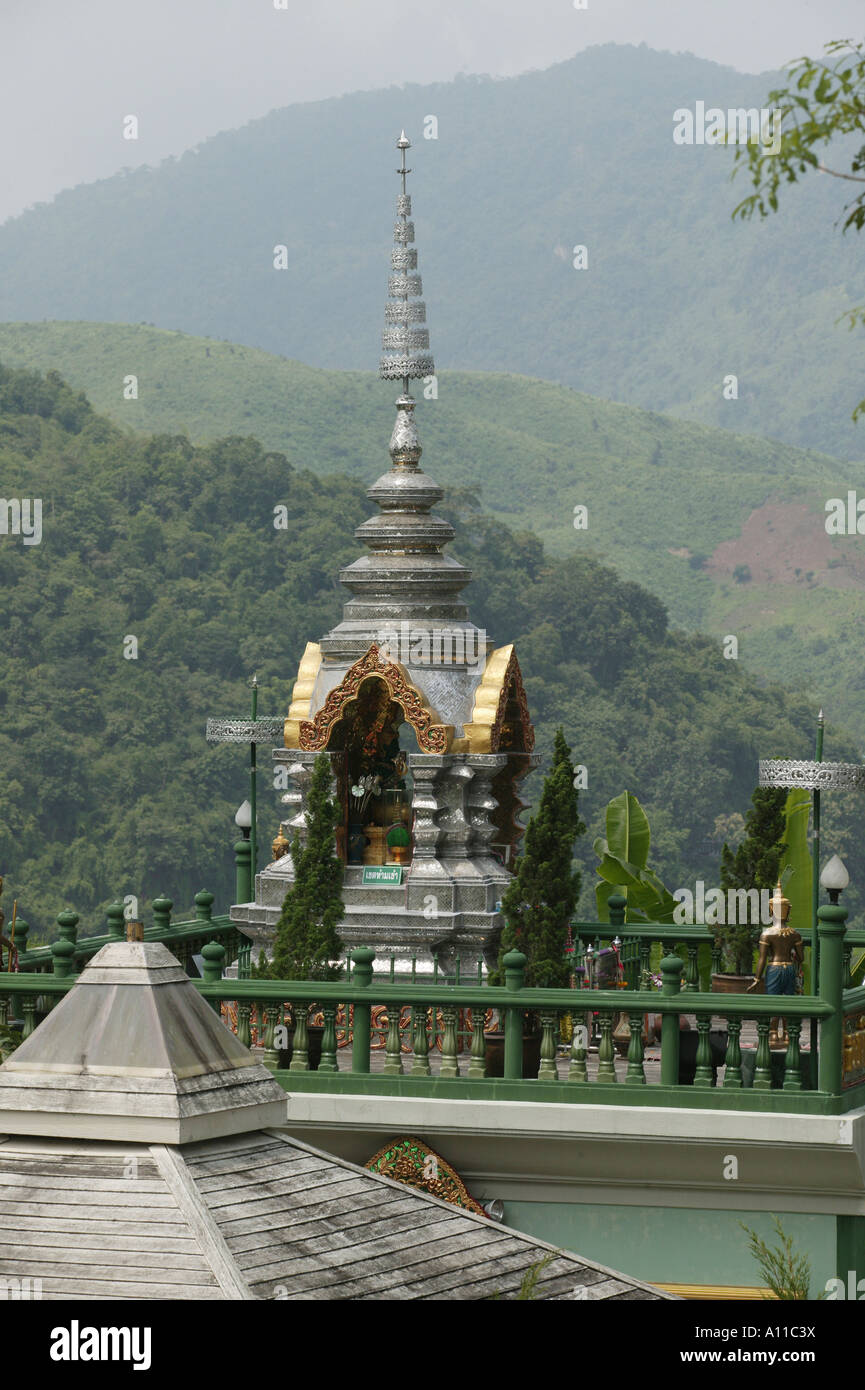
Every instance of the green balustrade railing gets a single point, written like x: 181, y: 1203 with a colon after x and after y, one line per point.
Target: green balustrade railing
x: 185, y: 939
x: 415, y: 1020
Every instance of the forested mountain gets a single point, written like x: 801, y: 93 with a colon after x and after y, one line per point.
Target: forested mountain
x: 107, y: 786
x: 728, y: 530
x: 675, y: 297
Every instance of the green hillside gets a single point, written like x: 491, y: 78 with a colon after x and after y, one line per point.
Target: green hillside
x: 107, y: 785
x: 668, y: 500
x: 523, y: 169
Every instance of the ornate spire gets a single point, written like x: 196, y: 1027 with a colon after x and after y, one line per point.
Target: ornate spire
x: 402, y: 340
x: 405, y: 578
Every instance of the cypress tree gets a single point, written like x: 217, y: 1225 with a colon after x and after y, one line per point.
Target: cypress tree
x: 753, y: 865
x: 542, y: 896
x: 307, y: 940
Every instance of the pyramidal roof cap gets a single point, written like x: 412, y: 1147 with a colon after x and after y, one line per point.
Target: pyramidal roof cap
x: 134, y: 1052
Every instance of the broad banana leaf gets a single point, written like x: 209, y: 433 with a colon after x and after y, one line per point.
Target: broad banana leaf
x: 623, y: 867
x: 796, y: 869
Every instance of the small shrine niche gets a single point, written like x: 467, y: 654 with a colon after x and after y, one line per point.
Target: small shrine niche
x: 374, y: 781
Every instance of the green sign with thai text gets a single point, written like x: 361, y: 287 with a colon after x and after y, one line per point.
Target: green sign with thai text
x: 382, y: 875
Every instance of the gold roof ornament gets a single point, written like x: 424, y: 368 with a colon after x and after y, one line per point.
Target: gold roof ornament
x: 281, y: 845
x: 779, y: 905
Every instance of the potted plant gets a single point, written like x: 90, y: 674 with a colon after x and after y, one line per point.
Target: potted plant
x: 539, y: 902
x: 753, y: 865
x: 398, y: 843
x: 307, y: 945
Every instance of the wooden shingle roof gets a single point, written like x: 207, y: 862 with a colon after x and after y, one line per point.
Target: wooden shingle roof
x: 259, y: 1216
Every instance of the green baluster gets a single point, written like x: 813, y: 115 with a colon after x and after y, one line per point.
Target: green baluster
x: 578, y: 1069
x: 450, y: 1061
x: 716, y: 956
x: 116, y: 924
x: 203, y: 906
x: 271, y: 1011
x: 300, y: 1045
x: 162, y: 916
x: 328, y: 1040
x: 847, y: 977
x: 28, y: 1009
x: 244, y: 1014
x: 4, y: 1011
x: 478, y: 1054
x: 420, y: 1043
x: 763, y: 1061
x: 703, y: 1072
x: 547, y: 1070
x: 606, y: 1051
x: 692, y: 973
x: 733, y: 1056
x: 636, y: 1074
x: 792, y: 1061
x: 393, y: 1042
x: 645, y: 957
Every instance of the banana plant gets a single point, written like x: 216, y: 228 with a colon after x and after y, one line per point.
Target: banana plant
x: 624, y: 868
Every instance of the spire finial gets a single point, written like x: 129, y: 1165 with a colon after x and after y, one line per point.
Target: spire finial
x: 404, y: 343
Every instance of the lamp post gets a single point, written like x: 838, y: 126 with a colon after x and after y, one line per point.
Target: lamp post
x: 252, y: 731
x: 243, y: 853
x: 831, y: 921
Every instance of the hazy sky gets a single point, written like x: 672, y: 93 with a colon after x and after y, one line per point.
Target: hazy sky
x: 71, y: 70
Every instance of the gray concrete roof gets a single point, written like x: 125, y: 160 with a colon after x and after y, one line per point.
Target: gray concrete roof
x: 133, y: 1052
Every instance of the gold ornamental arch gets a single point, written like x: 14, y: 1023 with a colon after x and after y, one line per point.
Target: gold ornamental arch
x: 312, y: 735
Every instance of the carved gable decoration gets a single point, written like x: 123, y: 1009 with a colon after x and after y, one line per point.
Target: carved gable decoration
x: 413, y: 1162
x: 431, y: 736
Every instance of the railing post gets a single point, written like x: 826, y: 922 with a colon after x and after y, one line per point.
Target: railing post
x: 363, y: 958
x: 243, y: 871
x: 21, y: 930
x: 617, y: 903
x: 68, y: 925
x: 203, y: 906
x: 213, y: 958
x: 63, y: 958
x: 515, y: 973
x: 671, y: 974
x: 162, y: 914
x: 116, y: 926
x: 831, y: 926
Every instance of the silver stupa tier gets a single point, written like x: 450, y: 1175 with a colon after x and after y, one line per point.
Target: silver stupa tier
x: 811, y: 776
